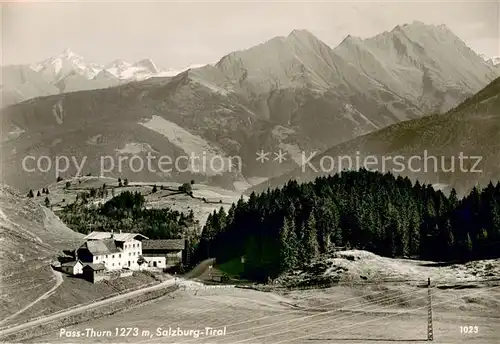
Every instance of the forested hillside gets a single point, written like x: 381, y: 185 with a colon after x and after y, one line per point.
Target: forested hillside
x: 284, y: 228
x: 127, y: 212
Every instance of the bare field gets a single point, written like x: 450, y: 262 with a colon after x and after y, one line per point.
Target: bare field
x: 334, y: 315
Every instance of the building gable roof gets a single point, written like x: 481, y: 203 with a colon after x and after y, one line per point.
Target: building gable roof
x: 73, y: 263
x: 94, y: 266
x: 115, y: 236
x: 100, y: 247
x: 168, y: 244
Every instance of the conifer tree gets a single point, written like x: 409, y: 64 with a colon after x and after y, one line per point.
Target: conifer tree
x: 413, y: 230
x: 453, y: 199
x: 287, y: 243
x: 449, y: 244
x: 310, y: 239
x: 324, y: 224
x: 30, y: 194
x: 469, y: 244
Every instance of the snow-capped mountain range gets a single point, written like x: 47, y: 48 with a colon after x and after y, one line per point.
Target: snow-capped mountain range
x: 67, y: 63
x: 70, y: 72
x: 495, y: 60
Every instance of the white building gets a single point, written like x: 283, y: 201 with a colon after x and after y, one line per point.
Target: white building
x: 114, y: 250
x: 72, y: 268
x: 163, y: 253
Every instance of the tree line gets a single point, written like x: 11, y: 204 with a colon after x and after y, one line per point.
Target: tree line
x: 284, y: 228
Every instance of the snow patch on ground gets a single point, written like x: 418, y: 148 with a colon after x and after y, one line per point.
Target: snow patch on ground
x: 364, y: 263
x: 209, y: 85
x: 56, y: 142
x: 294, y: 152
x: 135, y: 148
x: 57, y: 111
x: 280, y: 132
x: 439, y: 186
x: 94, y: 140
x: 13, y: 134
x: 241, y: 185
x: 210, y: 194
x: 351, y: 112
x: 174, y: 72
x: 256, y: 180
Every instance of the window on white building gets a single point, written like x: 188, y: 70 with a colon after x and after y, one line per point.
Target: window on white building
x: 113, y: 256
x: 120, y: 255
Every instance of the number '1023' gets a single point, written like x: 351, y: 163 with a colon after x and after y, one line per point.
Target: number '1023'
x: 469, y: 329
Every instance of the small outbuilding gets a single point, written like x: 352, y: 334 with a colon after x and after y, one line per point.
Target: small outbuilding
x: 73, y: 268
x: 94, y: 272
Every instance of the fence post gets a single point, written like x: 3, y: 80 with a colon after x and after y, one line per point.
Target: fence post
x: 430, y: 331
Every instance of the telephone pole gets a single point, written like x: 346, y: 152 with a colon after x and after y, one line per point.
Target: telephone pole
x: 430, y: 331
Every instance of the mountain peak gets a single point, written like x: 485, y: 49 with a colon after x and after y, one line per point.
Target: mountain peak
x: 300, y: 34
x: 417, y: 25
x: 67, y: 54
x: 118, y: 64
x: 303, y: 38
x: 349, y: 39
x: 147, y: 64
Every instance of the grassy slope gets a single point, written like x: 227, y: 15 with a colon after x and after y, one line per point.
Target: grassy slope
x: 30, y: 241
x: 169, y: 197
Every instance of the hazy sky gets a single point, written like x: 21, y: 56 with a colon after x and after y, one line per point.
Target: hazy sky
x: 176, y: 34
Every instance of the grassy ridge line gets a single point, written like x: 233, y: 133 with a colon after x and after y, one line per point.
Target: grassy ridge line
x: 87, y: 315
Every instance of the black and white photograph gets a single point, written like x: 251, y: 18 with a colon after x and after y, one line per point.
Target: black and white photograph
x: 255, y: 172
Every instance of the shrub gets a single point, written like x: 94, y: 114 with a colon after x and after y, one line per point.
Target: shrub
x: 186, y: 187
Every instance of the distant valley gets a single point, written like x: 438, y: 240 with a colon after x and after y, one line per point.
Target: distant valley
x: 472, y: 129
